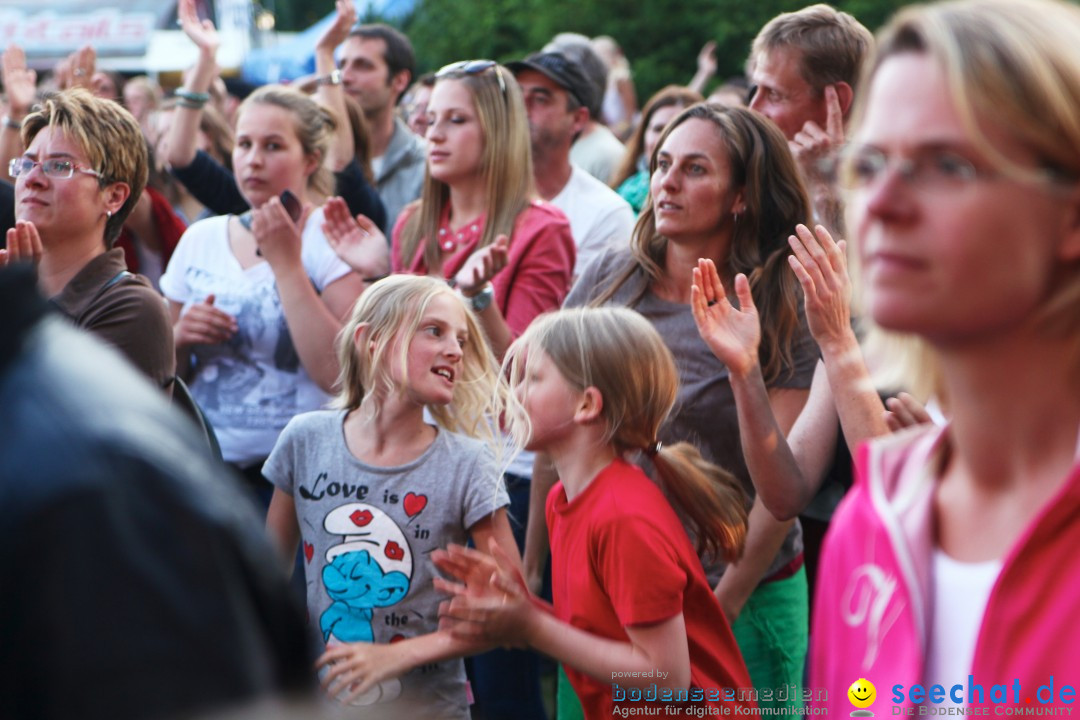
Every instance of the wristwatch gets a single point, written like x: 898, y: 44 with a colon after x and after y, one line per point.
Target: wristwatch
x: 333, y: 78
x: 481, y: 300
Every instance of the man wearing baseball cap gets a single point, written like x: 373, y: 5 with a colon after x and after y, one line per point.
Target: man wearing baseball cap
x: 557, y: 97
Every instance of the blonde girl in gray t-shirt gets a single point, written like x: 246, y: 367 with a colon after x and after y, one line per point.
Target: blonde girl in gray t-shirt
x: 373, y: 487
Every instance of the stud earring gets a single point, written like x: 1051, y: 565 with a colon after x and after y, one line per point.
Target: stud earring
x: 108, y: 214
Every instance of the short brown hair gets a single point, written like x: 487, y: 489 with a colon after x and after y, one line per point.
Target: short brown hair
x: 833, y: 43
x: 108, y: 134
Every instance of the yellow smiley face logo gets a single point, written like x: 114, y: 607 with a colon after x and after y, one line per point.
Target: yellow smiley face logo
x: 862, y: 693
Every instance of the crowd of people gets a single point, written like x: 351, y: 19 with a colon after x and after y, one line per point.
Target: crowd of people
x: 722, y: 405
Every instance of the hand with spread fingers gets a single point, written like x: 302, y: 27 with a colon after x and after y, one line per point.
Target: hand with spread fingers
x: 733, y: 334
x: 483, y: 265
x: 493, y: 606
x: 820, y: 263
x: 357, y: 241
x: 23, y: 245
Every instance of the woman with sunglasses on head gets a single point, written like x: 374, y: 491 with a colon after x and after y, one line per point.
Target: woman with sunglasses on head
x: 84, y: 167
x: 257, y: 299
x: 478, y: 222
x: 951, y: 565
x: 480, y: 225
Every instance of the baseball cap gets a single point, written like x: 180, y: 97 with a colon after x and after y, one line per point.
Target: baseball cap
x: 560, y: 69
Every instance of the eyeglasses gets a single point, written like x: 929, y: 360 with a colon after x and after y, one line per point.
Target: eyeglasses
x: 53, y: 167
x: 472, y: 67
x: 930, y: 170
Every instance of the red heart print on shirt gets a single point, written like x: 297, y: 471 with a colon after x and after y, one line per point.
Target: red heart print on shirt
x: 309, y: 551
x: 414, y: 504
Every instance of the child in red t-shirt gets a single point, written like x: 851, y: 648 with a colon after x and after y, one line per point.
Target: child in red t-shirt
x: 634, y: 619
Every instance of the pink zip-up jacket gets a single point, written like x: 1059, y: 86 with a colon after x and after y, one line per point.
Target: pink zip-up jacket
x: 872, y: 608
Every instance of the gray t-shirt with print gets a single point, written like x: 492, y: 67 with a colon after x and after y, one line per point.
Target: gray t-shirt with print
x: 704, y: 414
x: 366, y: 534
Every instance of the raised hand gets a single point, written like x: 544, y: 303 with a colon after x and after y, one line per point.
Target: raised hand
x: 77, y: 69
x: 357, y: 241
x: 203, y: 324
x: 23, y: 245
x: 706, y: 59
x: 483, y: 265
x: 20, y: 82
x: 733, y: 334
x: 202, y: 32
x: 904, y: 411
x: 338, y: 31
x: 820, y: 264
x: 814, y: 147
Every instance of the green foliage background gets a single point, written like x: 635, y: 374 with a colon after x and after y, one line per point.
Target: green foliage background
x: 660, y: 37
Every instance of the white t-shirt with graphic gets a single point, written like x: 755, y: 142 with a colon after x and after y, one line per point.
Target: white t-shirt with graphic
x: 253, y: 384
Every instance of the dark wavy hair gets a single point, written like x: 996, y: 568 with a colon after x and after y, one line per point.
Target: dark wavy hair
x: 776, y: 201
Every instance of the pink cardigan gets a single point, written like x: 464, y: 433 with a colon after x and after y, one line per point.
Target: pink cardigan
x: 539, y: 268
x: 871, y: 612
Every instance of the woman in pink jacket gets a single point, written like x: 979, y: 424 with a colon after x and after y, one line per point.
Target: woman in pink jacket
x: 951, y: 573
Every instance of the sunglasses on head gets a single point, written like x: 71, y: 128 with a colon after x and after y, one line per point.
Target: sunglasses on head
x: 472, y: 67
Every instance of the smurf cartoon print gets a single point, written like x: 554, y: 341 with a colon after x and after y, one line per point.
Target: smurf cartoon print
x: 371, y: 568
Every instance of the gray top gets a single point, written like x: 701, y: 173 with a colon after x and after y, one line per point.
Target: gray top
x: 704, y: 413
x: 401, y: 176
x: 367, y: 532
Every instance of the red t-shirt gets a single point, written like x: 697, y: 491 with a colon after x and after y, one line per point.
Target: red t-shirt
x: 539, y: 268
x: 620, y: 557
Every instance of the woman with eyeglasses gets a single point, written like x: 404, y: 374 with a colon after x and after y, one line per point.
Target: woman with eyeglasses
x: 84, y: 167
x: 257, y: 299
x: 951, y: 570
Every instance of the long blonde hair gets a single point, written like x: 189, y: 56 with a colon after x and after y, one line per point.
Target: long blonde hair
x: 506, y: 165
x: 393, y: 308
x: 620, y: 353
x: 1016, y: 62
